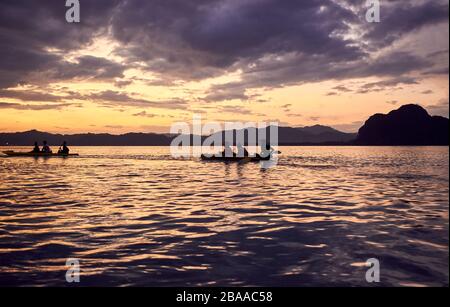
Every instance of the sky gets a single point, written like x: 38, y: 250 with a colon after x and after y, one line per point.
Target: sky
x: 140, y: 66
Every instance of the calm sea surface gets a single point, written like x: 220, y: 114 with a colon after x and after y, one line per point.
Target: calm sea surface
x: 136, y: 216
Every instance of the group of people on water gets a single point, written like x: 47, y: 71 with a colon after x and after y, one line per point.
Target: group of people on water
x: 63, y: 149
x: 266, y: 151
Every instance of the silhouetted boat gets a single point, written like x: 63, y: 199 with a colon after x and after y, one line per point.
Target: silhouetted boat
x: 235, y: 159
x: 36, y: 154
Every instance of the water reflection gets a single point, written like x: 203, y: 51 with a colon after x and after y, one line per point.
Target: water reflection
x: 136, y: 216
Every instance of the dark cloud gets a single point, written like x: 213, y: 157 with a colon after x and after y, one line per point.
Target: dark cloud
x: 439, y: 53
x: 194, y: 40
x: 401, y: 17
x: 86, y: 67
x: 230, y: 91
x: 295, y: 115
x: 386, y: 84
x: 29, y: 95
x: 441, y: 108
x: 292, y: 69
x: 341, y: 88
x: 437, y: 71
x: 35, y: 107
x: 235, y: 110
x: 396, y: 63
x: 40, y: 96
x: 122, y: 83
x: 286, y: 107
x: 392, y: 82
x: 114, y: 99
x: 273, y: 43
x: 144, y: 114
x: 34, y: 36
x: 224, y: 92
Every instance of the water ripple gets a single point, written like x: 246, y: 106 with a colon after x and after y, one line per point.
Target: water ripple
x: 136, y: 216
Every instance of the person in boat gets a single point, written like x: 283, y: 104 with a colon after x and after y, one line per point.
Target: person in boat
x: 242, y: 151
x: 63, y: 149
x: 228, y: 151
x: 46, y: 148
x: 266, y: 151
x: 36, y: 148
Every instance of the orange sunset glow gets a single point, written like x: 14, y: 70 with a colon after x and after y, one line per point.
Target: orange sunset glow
x: 109, y: 74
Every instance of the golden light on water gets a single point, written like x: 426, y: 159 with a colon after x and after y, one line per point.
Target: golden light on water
x: 139, y: 210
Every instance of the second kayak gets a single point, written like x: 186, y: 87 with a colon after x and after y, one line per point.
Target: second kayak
x: 234, y: 159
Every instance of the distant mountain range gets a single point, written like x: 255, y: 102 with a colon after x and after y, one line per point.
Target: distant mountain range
x: 87, y: 139
x: 311, y: 135
x: 287, y: 136
x: 409, y: 125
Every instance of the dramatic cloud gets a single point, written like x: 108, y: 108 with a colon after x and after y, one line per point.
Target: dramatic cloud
x: 144, y: 114
x: 441, y: 108
x: 387, y: 84
x: 35, y: 107
x: 224, y: 92
x: 402, y: 17
x: 236, y: 110
x: 286, y: 107
x: 262, y: 44
x: 198, y: 39
x: 87, y: 67
x: 272, y: 42
x: 341, y: 88
x: 34, y: 36
x: 113, y: 99
x: 27, y: 95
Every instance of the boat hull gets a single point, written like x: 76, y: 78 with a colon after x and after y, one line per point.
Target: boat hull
x: 36, y: 155
x: 234, y: 159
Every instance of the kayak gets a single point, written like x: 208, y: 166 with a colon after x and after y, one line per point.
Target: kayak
x: 234, y: 159
x: 36, y: 154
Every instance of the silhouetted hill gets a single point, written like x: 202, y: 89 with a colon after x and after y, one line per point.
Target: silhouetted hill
x: 297, y: 136
x: 313, y: 135
x: 89, y: 139
x: 287, y: 136
x: 409, y: 125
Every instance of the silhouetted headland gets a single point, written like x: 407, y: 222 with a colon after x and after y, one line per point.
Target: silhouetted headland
x: 409, y: 125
